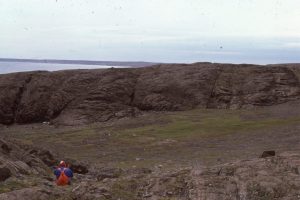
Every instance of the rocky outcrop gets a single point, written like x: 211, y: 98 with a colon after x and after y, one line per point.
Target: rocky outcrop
x: 87, y: 96
x: 265, y: 178
x: 274, y: 177
x: 25, y: 174
x: 16, y: 161
x: 238, y: 87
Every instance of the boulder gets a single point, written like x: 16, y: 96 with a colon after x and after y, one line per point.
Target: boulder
x: 79, y: 168
x: 266, y: 154
x: 5, y: 147
x: 5, y: 173
x: 47, y: 157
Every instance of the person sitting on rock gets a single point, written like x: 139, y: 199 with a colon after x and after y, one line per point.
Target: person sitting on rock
x: 63, y: 174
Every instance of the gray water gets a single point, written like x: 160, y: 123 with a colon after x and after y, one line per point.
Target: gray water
x: 10, y: 67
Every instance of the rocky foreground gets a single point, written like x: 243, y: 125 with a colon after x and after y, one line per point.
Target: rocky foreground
x: 87, y: 96
x: 25, y: 173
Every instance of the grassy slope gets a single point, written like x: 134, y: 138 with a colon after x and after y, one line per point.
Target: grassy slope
x: 169, y: 139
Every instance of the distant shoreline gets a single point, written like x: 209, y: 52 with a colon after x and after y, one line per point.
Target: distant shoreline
x: 81, y: 62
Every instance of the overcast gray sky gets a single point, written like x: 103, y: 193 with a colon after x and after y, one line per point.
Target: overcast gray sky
x: 252, y: 31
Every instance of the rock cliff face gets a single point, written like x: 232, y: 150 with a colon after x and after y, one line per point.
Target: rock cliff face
x: 86, y: 96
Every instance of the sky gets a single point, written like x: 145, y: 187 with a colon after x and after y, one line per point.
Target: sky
x: 236, y: 31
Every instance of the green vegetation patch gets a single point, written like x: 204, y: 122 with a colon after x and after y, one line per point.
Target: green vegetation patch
x: 160, y: 138
x: 190, y: 125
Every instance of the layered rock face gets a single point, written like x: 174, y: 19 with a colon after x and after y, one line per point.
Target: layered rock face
x: 27, y: 172
x: 87, y: 96
x: 18, y: 162
x: 24, y: 174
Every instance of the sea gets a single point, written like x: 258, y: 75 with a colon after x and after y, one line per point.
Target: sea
x: 10, y: 67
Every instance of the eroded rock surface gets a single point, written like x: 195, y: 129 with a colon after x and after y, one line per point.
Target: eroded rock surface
x: 25, y: 174
x: 265, y: 178
x: 87, y: 96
